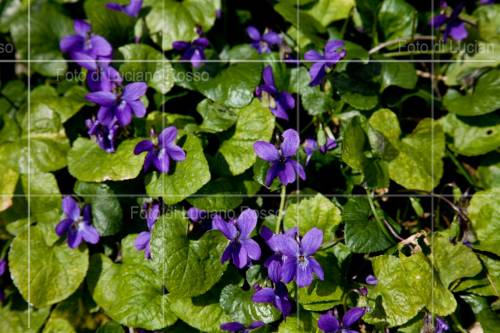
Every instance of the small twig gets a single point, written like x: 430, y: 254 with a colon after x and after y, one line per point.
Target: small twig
x: 397, y: 41
x: 427, y: 75
x: 392, y: 231
x: 281, y: 209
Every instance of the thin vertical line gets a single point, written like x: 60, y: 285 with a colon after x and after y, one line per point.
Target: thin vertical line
x: 163, y: 187
x: 297, y: 107
x: 29, y: 164
x: 432, y: 159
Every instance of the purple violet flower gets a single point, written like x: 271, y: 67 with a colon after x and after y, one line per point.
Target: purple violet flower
x: 76, y: 226
x: 240, y: 328
x: 104, y: 78
x: 160, y: 153
x: 3, y: 269
x: 132, y: 9
x: 193, y: 51
x: 3, y: 266
x: 454, y: 26
x: 196, y: 215
x: 299, y: 262
x: 311, y: 145
x: 328, y: 323
x: 282, y: 164
x: 241, y: 247
x: 105, y: 136
x: 142, y: 243
x: 153, y: 211
x: 274, y: 262
x: 279, y: 102
x: 85, y: 47
x: 322, y: 63
x: 120, y: 106
x: 278, y: 296
x: 441, y: 325
x: 263, y: 43
x: 371, y: 280
x: 487, y: 2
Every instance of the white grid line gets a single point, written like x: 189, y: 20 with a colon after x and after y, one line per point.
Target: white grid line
x: 433, y: 81
x: 287, y: 61
x: 271, y: 195
x: 29, y: 164
x: 297, y: 37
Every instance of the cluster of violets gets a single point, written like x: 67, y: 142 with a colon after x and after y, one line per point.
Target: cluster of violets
x: 292, y: 257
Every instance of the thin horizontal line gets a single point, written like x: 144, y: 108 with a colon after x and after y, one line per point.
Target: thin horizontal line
x: 265, y: 61
x: 231, y: 195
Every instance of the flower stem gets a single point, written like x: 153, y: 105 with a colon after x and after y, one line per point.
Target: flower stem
x: 377, y: 218
x: 460, y: 167
x: 281, y: 209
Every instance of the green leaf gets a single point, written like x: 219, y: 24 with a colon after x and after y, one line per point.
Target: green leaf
x: 488, y: 172
x: 89, y: 163
x: 366, y: 149
x: 470, y: 65
x: 419, y: 164
x: 481, y: 100
x: 312, y: 212
x: 8, y: 182
x: 484, y: 209
x: 360, y: 94
x: 131, y: 292
x: 202, y: 312
x: 305, y: 24
x: 9, y: 11
x: 170, y: 20
x: 106, y: 210
x: 472, y: 136
x: 116, y: 27
x: 234, y: 86
x: 488, y: 22
x: 110, y: 327
x: 453, y: 262
x: 363, y: 233
x: 238, y: 305
x: 45, y: 202
x: 219, y: 195
x: 58, y: 325
x: 405, y: 286
x: 255, y: 122
x: 401, y: 74
x: 328, y: 11
x: 397, y: 19
x: 66, y: 106
x: 15, y: 321
x: 43, y: 38
x: 186, y: 178
x: 216, y: 117
x: 141, y: 66
x: 305, y: 322
x: 56, y: 270
x: 45, y: 132
x: 192, y: 267
x: 354, y: 142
